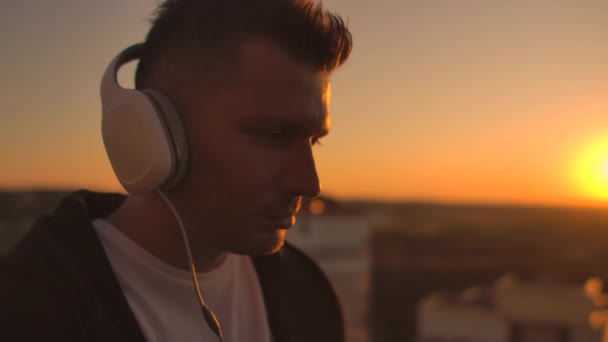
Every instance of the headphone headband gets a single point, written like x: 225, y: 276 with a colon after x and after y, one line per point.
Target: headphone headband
x: 109, y: 83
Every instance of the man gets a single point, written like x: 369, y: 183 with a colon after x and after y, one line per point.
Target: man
x: 250, y: 81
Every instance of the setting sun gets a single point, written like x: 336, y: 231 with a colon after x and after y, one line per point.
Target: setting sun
x: 592, y: 169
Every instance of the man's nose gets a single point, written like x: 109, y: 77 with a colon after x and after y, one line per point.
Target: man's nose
x: 300, y: 176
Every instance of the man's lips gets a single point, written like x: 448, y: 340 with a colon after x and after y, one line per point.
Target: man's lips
x: 281, y: 220
x: 280, y: 214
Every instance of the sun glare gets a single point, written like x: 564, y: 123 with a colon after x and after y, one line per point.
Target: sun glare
x: 592, y: 169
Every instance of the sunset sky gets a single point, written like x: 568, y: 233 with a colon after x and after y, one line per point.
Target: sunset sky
x: 454, y: 101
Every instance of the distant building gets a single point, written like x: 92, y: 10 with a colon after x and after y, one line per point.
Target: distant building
x: 338, y: 238
x: 510, y: 311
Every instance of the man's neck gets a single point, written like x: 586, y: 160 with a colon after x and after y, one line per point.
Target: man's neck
x: 148, y: 221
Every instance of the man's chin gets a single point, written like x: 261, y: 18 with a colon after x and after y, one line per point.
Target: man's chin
x: 276, y: 248
x: 273, y: 245
x: 264, y: 245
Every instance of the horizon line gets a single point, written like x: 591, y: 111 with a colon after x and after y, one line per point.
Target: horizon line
x: 380, y: 200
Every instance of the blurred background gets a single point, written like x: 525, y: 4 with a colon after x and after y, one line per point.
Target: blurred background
x: 465, y: 178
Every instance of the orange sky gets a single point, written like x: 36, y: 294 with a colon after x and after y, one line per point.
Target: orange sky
x: 475, y: 100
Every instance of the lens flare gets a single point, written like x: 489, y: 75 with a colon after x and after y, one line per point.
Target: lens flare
x: 592, y: 169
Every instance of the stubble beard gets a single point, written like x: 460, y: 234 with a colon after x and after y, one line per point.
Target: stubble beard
x: 261, y: 245
x: 224, y: 238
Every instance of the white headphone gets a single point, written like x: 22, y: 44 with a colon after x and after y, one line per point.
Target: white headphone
x: 143, y: 134
x: 148, y: 148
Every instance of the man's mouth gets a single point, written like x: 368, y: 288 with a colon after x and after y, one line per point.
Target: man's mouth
x: 281, y: 220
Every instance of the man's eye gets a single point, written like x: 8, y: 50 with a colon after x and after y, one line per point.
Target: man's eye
x: 278, y: 136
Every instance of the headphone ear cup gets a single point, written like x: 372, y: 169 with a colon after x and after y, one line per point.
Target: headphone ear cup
x: 137, y: 141
x: 177, y: 134
x: 142, y: 134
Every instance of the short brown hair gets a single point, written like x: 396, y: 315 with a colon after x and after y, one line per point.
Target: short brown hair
x: 212, y: 29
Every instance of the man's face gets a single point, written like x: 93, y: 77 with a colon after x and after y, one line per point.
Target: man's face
x: 252, y: 151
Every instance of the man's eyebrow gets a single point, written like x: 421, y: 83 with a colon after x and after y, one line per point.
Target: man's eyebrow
x: 299, y: 127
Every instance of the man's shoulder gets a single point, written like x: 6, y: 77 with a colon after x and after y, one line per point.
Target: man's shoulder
x: 300, y: 261
x: 28, y: 296
x: 37, y: 262
x: 33, y: 314
x: 58, y: 250
x: 59, y: 243
x: 298, y: 295
x: 32, y: 296
x: 30, y: 257
x: 56, y: 282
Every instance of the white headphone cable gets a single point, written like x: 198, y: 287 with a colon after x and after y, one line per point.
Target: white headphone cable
x: 210, y: 317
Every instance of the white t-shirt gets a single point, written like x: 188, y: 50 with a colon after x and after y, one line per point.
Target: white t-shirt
x: 163, y: 300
